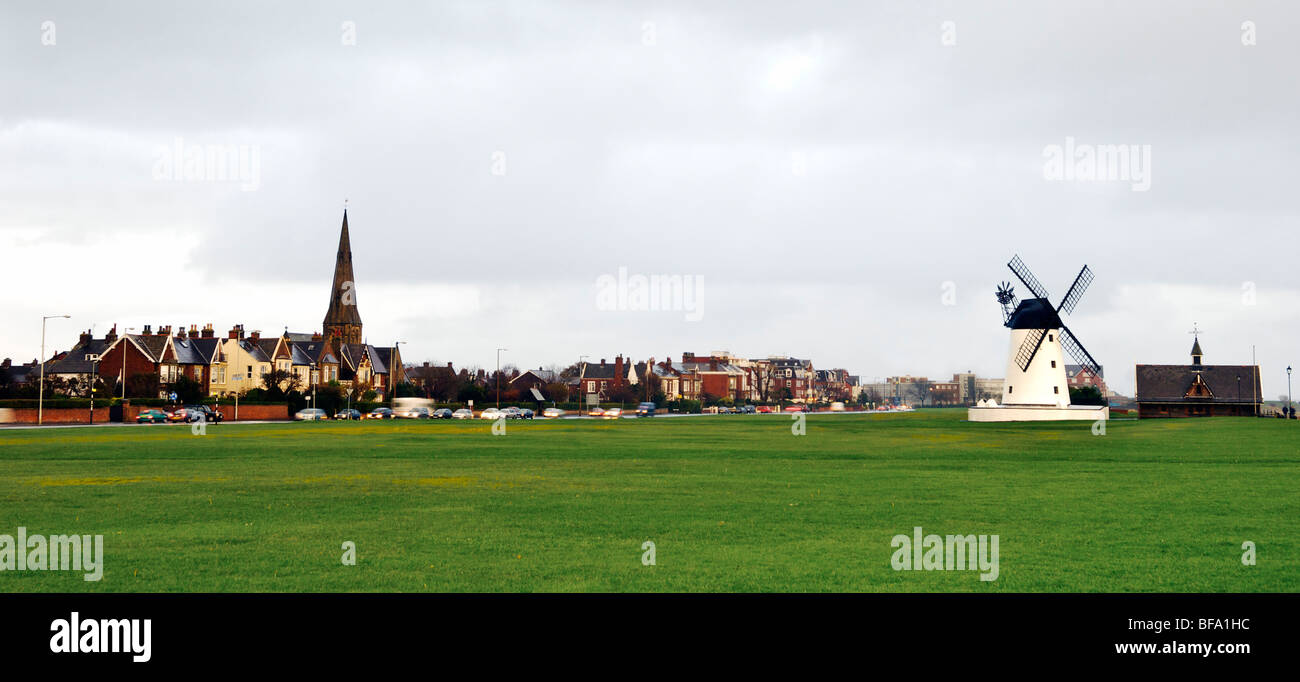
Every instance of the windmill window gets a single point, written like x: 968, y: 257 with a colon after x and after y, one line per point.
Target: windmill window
x: 1056, y: 389
x: 1053, y: 364
x: 1011, y: 389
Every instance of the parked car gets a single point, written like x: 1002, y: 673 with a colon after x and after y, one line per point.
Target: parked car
x: 764, y: 409
x: 348, y: 414
x: 490, y: 413
x: 416, y: 413
x: 552, y: 413
x: 645, y: 410
x: 441, y: 413
x: 525, y: 413
x: 183, y: 414
x: 151, y: 416
x: 796, y: 408
x: 380, y: 413
x: 463, y: 413
x: 310, y: 414
x: 613, y: 413
x: 746, y: 409
x: 210, y: 415
x: 837, y: 406
x: 595, y: 412
x: 512, y: 412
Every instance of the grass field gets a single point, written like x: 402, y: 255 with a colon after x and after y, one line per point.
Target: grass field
x: 732, y: 503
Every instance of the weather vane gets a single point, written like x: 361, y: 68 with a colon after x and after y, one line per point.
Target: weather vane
x: 1195, y: 331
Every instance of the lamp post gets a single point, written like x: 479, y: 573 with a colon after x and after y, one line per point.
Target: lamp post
x: 40, y: 392
x: 127, y: 331
x: 314, y: 380
x: 499, y: 375
x: 1288, y: 391
x: 392, y: 384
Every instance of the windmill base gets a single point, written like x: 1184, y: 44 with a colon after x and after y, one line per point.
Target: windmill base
x: 1037, y: 413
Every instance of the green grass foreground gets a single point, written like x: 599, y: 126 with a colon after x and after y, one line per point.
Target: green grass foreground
x: 732, y: 503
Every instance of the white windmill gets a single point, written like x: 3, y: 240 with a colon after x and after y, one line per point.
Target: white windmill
x: 1036, y: 388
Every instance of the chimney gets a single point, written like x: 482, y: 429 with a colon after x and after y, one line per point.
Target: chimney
x: 207, y: 331
x: 257, y: 334
x: 449, y: 365
x: 181, y: 334
x: 111, y: 336
x: 602, y: 362
x: 148, y: 330
x: 688, y: 356
x: 165, y: 331
x: 86, y: 336
x: 618, y: 366
x: 315, y: 336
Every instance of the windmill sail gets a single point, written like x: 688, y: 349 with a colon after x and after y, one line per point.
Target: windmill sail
x: 1076, y: 291
x: 1081, y: 356
x: 1029, y: 348
x: 1035, y: 287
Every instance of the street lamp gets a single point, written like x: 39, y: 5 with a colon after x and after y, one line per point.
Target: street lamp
x: 123, y: 340
x: 40, y: 393
x: 1288, y: 392
x: 499, y: 375
x: 392, y: 383
x: 314, y: 380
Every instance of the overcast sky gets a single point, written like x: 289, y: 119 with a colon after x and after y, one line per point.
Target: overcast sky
x: 846, y: 179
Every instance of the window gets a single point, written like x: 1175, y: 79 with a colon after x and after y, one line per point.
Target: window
x: 1053, y: 364
x: 1056, y: 389
x: 1010, y: 389
x: 1049, y: 337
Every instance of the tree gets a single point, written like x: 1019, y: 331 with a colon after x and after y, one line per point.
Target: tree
x: 1086, y: 395
x: 142, y: 385
x: 187, y: 390
x: 763, y: 373
x: 280, y: 382
x: 921, y: 390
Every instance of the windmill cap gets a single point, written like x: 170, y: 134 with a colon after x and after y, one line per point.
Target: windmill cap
x: 1034, y: 313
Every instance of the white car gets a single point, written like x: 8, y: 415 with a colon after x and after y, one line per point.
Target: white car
x: 310, y: 414
x: 613, y: 413
x: 552, y: 413
x: 491, y: 413
x: 463, y: 413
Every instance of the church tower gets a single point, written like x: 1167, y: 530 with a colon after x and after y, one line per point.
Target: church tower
x: 342, y: 321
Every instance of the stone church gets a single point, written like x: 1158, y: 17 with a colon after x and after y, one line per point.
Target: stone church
x: 377, y: 367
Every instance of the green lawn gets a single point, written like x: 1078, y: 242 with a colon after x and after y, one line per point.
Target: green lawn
x: 733, y: 503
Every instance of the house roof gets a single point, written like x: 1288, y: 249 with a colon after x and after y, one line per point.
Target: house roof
x: 188, y: 352
x: 75, y: 362
x: 1071, y: 370
x: 254, y: 350
x: 1170, y: 383
x: 600, y: 371
x: 543, y: 375
x: 153, y: 345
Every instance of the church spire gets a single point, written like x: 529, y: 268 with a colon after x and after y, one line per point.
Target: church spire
x: 342, y: 321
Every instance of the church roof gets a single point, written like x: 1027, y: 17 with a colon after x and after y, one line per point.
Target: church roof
x: 1196, y: 347
x: 340, y: 311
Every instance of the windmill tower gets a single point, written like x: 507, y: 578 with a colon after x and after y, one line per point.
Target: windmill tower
x: 1036, y: 388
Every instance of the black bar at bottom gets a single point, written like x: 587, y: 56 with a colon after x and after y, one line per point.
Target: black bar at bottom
x: 211, y: 631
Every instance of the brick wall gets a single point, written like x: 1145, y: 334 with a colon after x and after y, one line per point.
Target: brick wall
x: 81, y: 415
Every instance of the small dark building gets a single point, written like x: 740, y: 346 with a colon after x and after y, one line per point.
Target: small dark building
x: 1198, y: 390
